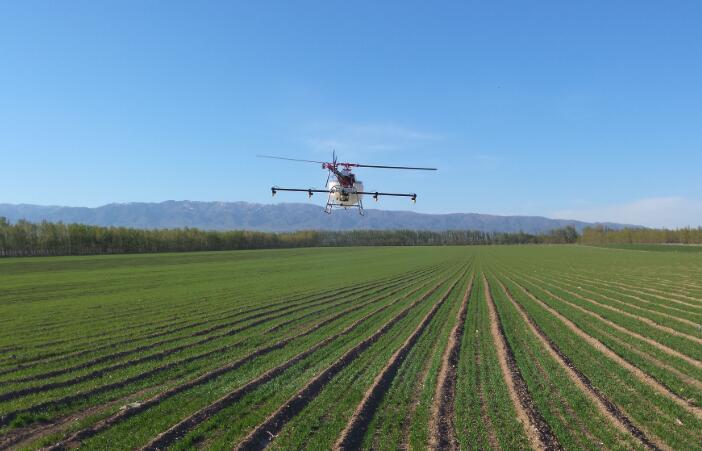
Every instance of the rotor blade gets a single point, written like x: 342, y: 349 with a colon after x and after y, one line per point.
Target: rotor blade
x: 289, y: 159
x: 389, y: 167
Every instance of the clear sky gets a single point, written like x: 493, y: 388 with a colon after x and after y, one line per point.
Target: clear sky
x: 586, y: 110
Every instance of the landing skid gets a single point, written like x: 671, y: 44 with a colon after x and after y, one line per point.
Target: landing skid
x: 331, y: 205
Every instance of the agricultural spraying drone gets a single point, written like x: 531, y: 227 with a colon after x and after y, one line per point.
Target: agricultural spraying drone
x: 346, y: 191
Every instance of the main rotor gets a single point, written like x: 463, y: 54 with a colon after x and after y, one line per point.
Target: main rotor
x: 334, y: 164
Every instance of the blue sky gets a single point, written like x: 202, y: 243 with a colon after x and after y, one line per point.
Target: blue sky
x: 586, y: 110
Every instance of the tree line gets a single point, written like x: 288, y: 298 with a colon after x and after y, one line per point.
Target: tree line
x: 25, y: 238
x: 604, y: 235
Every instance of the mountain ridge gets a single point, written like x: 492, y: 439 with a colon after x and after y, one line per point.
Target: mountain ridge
x: 281, y: 217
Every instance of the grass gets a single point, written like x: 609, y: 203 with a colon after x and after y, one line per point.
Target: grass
x: 391, y: 426
x: 657, y: 247
x: 84, y: 336
x: 570, y: 413
x: 484, y: 412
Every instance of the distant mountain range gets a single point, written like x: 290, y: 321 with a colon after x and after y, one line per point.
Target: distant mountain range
x: 277, y: 217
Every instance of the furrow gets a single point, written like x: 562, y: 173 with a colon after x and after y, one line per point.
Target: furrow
x: 442, y: 427
x: 626, y: 288
x: 636, y: 307
x: 262, y: 310
x: 165, y: 438
x: 662, y: 347
x: 641, y: 375
x: 605, y: 406
x: 687, y: 379
x: 21, y: 438
x: 352, y: 435
x: 538, y: 431
x: 156, y: 356
x: 643, y: 319
x: 145, y: 405
x: 5, y: 419
x: 649, y: 290
x: 261, y: 318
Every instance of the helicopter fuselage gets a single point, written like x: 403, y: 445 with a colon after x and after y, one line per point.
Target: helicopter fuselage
x: 344, y: 190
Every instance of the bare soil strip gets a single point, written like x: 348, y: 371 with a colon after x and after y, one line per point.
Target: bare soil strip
x: 109, y: 334
x: 638, y: 307
x: 569, y: 418
x: 352, y: 435
x: 163, y: 439
x: 689, y: 380
x: 595, y: 343
x: 9, y: 416
x: 420, y: 279
x: 264, y: 314
x: 672, y: 313
x: 662, y: 347
x: 441, y: 426
x: 91, y: 349
x: 129, y: 412
x: 262, y: 310
x: 660, y: 294
x: 627, y: 288
x: 78, y: 436
x: 537, y: 430
x: 608, y: 409
x: 242, y: 309
x: 22, y: 438
x: 644, y: 320
x: 416, y: 400
x: 698, y: 301
x: 107, y: 339
x: 161, y: 354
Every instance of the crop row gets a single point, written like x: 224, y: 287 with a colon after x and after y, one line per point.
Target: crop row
x: 277, y: 344
x: 489, y: 348
x: 267, y: 373
x: 634, y: 373
x: 213, y: 331
x: 98, y: 392
x: 197, y: 324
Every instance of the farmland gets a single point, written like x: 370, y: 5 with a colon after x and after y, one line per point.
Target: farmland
x: 548, y: 347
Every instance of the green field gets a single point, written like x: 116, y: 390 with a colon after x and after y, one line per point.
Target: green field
x: 657, y: 247
x: 505, y: 347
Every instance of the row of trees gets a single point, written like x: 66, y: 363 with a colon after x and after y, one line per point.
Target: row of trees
x: 25, y: 238
x: 603, y: 235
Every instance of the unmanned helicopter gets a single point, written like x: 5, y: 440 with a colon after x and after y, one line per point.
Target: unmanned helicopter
x: 343, y: 189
